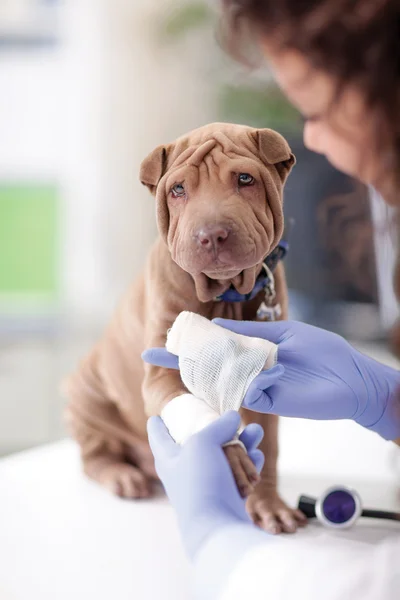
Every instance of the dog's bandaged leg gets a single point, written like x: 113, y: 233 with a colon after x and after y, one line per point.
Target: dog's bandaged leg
x: 217, y: 366
x: 185, y: 415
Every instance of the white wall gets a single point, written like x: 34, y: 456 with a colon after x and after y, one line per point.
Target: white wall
x: 29, y: 102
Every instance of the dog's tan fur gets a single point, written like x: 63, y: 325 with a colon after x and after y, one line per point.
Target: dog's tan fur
x: 113, y: 392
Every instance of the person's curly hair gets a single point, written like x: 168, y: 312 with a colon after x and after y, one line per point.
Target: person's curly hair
x: 356, y: 41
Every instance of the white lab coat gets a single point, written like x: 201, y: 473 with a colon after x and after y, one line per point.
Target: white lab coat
x: 241, y: 563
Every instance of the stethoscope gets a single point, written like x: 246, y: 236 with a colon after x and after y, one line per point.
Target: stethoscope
x: 339, y: 507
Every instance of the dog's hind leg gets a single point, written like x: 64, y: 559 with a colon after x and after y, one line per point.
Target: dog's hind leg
x: 106, y: 460
x: 108, y: 446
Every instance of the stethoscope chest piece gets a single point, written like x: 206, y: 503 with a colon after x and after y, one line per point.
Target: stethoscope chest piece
x: 339, y: 507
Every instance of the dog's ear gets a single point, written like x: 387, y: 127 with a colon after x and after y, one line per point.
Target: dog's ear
x: 275, y: 150
x: 153, y: 168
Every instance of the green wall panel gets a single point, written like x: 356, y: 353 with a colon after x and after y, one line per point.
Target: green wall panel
x: 28, y: 239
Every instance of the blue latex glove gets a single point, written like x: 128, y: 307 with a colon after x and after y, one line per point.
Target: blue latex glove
x: 198, y: 479
x: 319, y: 376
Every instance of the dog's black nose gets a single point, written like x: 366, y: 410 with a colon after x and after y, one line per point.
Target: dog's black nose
x: 212, y: 236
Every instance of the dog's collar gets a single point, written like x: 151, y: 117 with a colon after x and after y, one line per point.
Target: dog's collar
x: 265, y: 280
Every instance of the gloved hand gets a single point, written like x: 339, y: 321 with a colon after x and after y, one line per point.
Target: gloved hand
x: 319, y: 376
x: 198, y: 479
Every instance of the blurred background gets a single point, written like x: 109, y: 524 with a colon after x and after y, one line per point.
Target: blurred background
x: 87, y: 89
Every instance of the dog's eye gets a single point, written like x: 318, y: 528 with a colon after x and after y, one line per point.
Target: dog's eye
x: 245, y: 179
x: 178, y: 190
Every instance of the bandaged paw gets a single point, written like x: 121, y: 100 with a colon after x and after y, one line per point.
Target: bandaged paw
x: 217, y: 365
x: 186, y: 415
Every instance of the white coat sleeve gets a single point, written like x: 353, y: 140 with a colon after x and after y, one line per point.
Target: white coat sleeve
x: 307, y: 566
x: 221, y: 555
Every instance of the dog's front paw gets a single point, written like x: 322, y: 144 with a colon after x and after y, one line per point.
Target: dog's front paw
x: 272, y: 514
x: 243, y: 469
x: 125, y: 480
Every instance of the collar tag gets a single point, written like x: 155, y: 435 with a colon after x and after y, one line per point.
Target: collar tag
x: 269, y: 313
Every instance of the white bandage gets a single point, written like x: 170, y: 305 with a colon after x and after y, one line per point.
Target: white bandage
x: 186, y: 415
x: 217, y: 365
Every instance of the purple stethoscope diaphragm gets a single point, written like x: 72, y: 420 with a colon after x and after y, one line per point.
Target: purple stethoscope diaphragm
x: 340, y: 507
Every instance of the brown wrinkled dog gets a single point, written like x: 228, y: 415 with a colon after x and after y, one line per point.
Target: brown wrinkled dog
x: 219, y: 212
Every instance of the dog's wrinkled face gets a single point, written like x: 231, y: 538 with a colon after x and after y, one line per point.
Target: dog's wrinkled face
x: 219, y: 221
x: 219, y: 202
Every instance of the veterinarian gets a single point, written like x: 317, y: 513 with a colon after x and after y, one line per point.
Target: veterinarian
x: 338, y: 61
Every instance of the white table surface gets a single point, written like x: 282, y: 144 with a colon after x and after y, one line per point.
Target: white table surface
x: 62, y: 537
